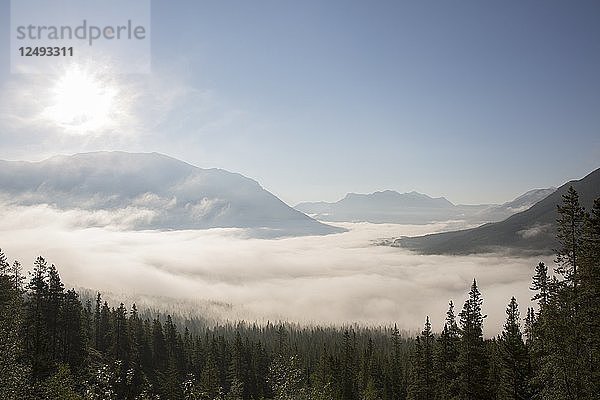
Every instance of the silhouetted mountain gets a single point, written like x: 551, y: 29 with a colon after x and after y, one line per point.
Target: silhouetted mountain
x: 415, y: 208
x: 532, y: 230
x: 380, y: 207
x: 166, y: 193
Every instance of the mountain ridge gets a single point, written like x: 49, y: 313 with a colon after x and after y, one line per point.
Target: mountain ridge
x: 532, y: 230
x: 179, y: 195
x: 389, y: 206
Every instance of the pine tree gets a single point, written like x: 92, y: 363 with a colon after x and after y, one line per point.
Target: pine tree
x: 515, y: 371
x: 261, y: 369
x: 209, y: 377
x: 13, y: 373
x: 159, y: 346
x: 105, y: 329
x: 349, y: 387
x: 422, y: 386
x: 36, y: 329
x: 54, y: 303
x: 563, y: 324
x: 138, y: 351
x: 540, y: 284
x: 397, y: 378
x: 4, y: 264
x: 97, y: 333
x: 472, y: 362
x: 120, y: 339
x: 238, y: 369
x: 589, y: 312
x: 570, y: 224
x: 16, y: 277
x: 73, y: 340
x: 448, y: 346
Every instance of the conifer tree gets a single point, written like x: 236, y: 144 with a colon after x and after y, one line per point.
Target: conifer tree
x: 97, y: 333
x: 159, y: 346
x: 540, y: 284
x: 238, y: 369
x: 209, y: 377
x: 73, y: 350
x: 120, y: 339
x: 422, y: 386
x: 349, y: 389
x: 515, y: 372
x: 16, y: 277
x: 13, y: 373
x: 590, y: 300
x: 397, y: 379
x: 36, y: 329
x: 4, y: 264
x: 563, y: 323
x: 105, y: 329
x: 472, y: 361
x: 448, y: 345
x: 570, y: 224
x: 54, y: 303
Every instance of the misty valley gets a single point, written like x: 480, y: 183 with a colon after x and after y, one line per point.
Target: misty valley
x: 299, y: 200
x: 158, y: 279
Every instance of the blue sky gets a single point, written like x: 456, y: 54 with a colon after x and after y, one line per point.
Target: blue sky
x: 475, y: 101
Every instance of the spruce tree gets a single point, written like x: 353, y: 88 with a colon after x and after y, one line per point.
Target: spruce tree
x: 472, y: 361
x: 570, y: 225
x: 120, y: 338
x: 515, y: 371
x: 16, y: 277
x: 54, y: 304
x: 349, y: 389
x: 36, y: 318
x: 397, y: 375
x: 73, y: 350
x: 565, y: 325
x: 422, y: 386
x: 13, y: 372
x: 447, y: 351
x: 589, y: 312
x: 540, y: 284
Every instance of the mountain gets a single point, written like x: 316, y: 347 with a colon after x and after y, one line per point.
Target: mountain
x: 495, y: 213
x: 532, y: 230
x: 166, y: 193
x: 380, y: 207
x: 415, y: 208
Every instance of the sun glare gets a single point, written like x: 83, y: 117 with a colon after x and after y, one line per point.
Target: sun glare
x: 82, y: 102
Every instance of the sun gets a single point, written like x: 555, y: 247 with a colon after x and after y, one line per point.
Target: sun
x: 82, y: 102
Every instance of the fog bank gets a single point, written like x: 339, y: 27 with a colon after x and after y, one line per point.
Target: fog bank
x: 332, y: 279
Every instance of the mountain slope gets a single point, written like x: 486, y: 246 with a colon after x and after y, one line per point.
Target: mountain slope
x: 523, y: 202
x: 173, y: 194
x: 531, y: 230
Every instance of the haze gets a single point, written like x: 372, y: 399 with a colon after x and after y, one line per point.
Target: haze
x: 337, y: 279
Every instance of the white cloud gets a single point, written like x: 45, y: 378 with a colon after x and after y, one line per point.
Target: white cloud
x: 324, y: 279
x: 534, y: 231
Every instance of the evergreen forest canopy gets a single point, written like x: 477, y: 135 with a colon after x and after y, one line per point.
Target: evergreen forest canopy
x: 54, y: 345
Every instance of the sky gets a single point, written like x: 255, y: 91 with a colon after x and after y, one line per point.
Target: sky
x: 475, y: 101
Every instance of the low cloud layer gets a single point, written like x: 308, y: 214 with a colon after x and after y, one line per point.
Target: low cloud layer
x: 334, y: 279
